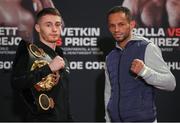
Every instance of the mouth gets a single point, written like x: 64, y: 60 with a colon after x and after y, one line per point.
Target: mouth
x: 118, y: 35
x: 53, y: 35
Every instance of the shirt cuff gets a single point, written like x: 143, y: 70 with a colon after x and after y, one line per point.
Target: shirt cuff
x: 143, y: 72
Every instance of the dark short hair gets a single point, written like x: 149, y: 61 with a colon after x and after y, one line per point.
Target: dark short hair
x: 46, y: 11
x: 122, y: 9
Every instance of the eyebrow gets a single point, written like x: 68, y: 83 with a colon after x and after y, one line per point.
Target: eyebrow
x: 55, y: 22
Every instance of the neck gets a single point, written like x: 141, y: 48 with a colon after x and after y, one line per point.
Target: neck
x: 123, y: 43
x: 51, y: 45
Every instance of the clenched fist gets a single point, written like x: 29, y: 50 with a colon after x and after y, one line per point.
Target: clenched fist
x: 56, y: 64
x: 136, y: 66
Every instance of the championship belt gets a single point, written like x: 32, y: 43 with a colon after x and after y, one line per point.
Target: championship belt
x: 38, y: 59
x: 47, y: 82
x: 45, y: 102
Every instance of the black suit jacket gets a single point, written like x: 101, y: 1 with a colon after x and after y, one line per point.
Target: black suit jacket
x: 23, y: 81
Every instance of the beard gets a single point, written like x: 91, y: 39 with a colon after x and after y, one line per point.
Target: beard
x: 53, y: 40
x: 122, y: 37
x: 50, y: 39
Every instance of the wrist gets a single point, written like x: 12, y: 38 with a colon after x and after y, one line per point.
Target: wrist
x: 52, y: 67
x: 143, y: 71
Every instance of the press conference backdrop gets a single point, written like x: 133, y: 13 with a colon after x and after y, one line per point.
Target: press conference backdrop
x: 86, y: 41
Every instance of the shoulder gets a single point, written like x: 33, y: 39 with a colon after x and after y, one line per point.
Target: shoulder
x: 22, y: 45
x: 21, y: 52
x: 141, y: 39
x: 151, y: 47
x: 112, y: 54
x: 145, y: 42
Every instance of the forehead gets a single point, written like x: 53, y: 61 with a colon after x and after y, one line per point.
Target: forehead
x: 117, y: 16
x: 50, y: 18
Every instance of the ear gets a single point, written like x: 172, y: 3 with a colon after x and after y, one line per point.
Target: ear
x: 133, y: 24
x: 37, y: 28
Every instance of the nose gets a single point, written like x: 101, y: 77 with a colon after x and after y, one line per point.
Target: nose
x: 116, y: 28
x: 54, y: 28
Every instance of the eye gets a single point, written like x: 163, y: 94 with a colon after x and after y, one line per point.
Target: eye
x: 111, y: 26
x: 58, y: 24
x: 121, y: 24
x: 48, y: 25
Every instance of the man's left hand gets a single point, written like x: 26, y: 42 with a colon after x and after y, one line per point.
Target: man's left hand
x: 137, y: 66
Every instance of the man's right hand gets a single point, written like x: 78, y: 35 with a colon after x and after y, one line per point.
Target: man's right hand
x: 56, y: 64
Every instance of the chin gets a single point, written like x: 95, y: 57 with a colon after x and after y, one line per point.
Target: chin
x: 118, y: 39
x: 53, y: 40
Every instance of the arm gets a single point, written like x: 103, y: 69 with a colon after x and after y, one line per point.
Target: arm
x: 172, y: 8
x: 40, y: 4
x: 66, y: 78
x: 22, y: 77
x: 107, y: 94
x: 155, y: 71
